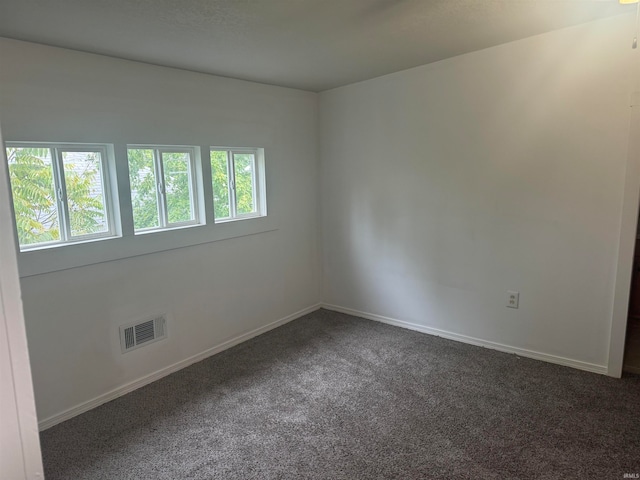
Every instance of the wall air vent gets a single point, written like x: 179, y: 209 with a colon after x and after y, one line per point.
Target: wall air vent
x: 142, y: 333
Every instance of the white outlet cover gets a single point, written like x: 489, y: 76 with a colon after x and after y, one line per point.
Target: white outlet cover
x: 513, y: 299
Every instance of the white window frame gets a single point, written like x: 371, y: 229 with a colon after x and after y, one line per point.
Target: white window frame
x: 161, y: 197
x: 125, y: 241
x: 59, y: 185
x: 258, y: 179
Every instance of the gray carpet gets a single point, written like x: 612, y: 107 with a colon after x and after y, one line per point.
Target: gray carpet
x: 331, y: 396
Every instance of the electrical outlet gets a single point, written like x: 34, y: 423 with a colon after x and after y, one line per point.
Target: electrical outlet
x: 513, y: 299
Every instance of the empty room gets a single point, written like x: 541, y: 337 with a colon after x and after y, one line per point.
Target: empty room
x: 319, y: 239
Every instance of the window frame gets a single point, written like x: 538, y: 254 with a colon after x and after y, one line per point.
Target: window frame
x: 257, y: 181
x: 56, y: 150
x: 125, y: 242
x: 161, y: 195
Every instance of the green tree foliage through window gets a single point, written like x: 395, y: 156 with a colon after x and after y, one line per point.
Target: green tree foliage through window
x: 85, y: 198
x: 143, y: 188
x: 36, y: 206
x: 244, y: 165
x: 161, y: 187
x: 234, y: 183
x: 220, y: 178
x: 177, y: 175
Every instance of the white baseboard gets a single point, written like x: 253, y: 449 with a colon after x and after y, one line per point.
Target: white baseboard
x: 568, y: 362
x: 152, y: 377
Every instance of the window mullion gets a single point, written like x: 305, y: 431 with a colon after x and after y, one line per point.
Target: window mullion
x: 161, y: 189
x: 105, y: 184
x: 193, y: 200
x: 254, y: 184
x: 231, y: 175
x: 61, y: 194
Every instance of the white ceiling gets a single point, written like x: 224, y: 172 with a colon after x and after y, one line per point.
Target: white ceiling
x: 308, y: 44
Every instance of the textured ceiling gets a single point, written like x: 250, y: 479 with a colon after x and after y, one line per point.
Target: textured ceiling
x: 308, y: 44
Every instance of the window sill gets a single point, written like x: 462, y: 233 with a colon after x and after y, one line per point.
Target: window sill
x: 149, y: 231
x: 238, y: 219
x: 49, y: 246
x: 65, y: 256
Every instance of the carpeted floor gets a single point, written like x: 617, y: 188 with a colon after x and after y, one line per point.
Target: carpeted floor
x: 331, y: 396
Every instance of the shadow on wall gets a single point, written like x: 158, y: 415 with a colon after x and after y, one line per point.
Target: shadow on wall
x: 487, y: 185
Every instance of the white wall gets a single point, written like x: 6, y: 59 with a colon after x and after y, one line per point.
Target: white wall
x: 19, y: 440
x: 211, y: 292
x: 441, y: 187
x: 445, y: 185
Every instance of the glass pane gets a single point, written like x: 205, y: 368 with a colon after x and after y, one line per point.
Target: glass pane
x: 34, y: 199
x: 220, y: 180
x: 142, y: 178
x: 245, y: 189
x: 84, y: 192
x: 177, y: 179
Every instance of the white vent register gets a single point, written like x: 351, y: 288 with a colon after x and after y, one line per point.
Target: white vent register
x: 142, y: 333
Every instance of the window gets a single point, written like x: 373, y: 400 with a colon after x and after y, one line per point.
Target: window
x: 237, y: 192
x: 67, y: 195
x: 163, y: 187
x: 60, y: 193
